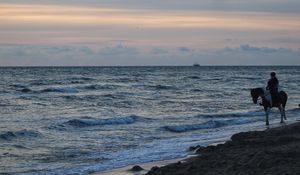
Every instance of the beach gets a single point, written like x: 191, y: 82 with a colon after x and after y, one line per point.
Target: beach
x: 272, y: 151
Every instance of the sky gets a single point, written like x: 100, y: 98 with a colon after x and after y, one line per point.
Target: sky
x: 149, y: 33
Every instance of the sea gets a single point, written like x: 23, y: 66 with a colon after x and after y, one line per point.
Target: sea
x: 80, y: 120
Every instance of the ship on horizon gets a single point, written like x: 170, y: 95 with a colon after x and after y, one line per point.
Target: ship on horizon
x: 196, y: 65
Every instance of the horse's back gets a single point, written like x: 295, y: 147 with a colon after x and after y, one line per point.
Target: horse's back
x: 282, y: 92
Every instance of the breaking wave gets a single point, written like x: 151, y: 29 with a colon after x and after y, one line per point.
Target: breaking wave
x: 61, y: 90
x: 243, y: 78
x: 89, y: 121
x: 97, y: 86
x: 93, y: 122
x: 197, y: 90
x: 194, y: 77
x: 231, y: 115
x: 79, y: 80
x: 18, y: 85
x: 206, y: 125
x: 163, y: 87
x: 26, y: 90
x: 10, y: 135
x: 45, y: 82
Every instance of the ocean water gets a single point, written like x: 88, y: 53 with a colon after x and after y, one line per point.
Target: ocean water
x: 78, y: 120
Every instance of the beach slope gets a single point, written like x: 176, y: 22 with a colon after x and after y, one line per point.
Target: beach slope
x: 273, y: 151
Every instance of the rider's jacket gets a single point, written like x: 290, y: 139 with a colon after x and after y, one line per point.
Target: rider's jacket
x: 273, y: 85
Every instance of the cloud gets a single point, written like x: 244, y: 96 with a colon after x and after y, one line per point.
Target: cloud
x: 168, y: 32
x: 19, y: 51
x: 286, y: 6
x: 158, y: 51
x: 184, y: 49
x: 246, y: 54
x: 55, y: 49
x: 49, y: 55
x: 123, y: 55
x: 258, y: 50
x: 150, y: 28
x: 119, y: 50
x: 86, y: 50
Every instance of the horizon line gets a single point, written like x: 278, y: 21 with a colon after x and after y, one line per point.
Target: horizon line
x: 70, y: 66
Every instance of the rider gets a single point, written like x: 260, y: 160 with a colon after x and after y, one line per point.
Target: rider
x: 273, y: 87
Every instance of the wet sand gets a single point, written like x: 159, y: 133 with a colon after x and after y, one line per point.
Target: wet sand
x: 146, y: 167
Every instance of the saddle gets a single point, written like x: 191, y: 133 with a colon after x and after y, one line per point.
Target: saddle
x: 271, y: 98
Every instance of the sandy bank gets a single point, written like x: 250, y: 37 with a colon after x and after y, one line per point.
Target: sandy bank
x: 272, y: 151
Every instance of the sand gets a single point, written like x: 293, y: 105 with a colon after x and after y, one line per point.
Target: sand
x: 146, y: 167
x: 272, y: 151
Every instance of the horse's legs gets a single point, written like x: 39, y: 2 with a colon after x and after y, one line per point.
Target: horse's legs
x: 267, y: 115
x: 283, y: 110
x: 281, y: 113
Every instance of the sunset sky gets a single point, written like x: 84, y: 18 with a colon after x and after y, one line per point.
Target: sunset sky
x: 143, y: 32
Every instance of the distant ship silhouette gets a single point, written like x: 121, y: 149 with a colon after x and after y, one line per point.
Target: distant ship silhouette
x: 196, y: 65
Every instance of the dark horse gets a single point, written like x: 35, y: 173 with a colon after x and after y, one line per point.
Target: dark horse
x: 282, y: 99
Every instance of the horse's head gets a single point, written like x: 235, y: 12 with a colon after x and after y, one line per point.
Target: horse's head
x: 255, y: 93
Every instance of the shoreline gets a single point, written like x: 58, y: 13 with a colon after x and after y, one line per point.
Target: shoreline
x: 159, y: 167
x: 146, y: 167
x: 273, y: 151
x: 149, y: 165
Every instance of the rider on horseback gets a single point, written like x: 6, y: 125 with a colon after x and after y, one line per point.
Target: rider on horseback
x: 279, y: 98
x: 273, y: 87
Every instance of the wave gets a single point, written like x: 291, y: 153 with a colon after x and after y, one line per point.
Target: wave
x: 45, y: 82
x: 104, y: 97
x: 93, y: 87
x: 109, y: 96
x: 18, y: 85
x: 206, y: 125
x: 3, y: 91
x: 232, y: 115
x: 81, y: 78
x: 78, y: 80
x: 211, y: 79
x: 294, y: 110
x: 252, y: 114
x: 196, y: 90
x: 10, y: 135
x: 39, y: 83
x: 163, y: 87
x: 61, y: 90
x: 244, y: 78
x: 5, y: 104
x: 126, y: 80
x: 97, y: 86
x: 193, y: 77
x: 22, y: 88
x: 88, y: 121
x: 26, y: 90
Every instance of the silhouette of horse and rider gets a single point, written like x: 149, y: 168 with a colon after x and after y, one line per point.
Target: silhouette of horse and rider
x: 272, y: 96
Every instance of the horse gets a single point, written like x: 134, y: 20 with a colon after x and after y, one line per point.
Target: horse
x: 267, y: 104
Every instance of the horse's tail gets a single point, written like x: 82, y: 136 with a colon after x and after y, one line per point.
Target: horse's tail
x: 284, y: 97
